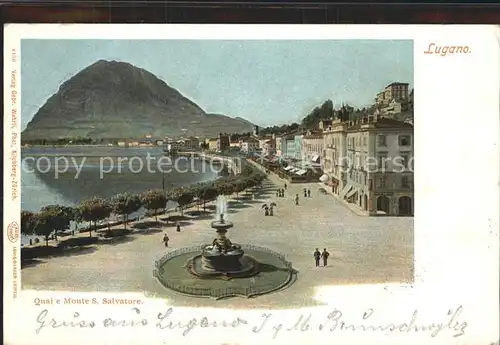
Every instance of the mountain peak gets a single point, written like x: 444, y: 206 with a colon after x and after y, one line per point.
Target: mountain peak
x: 115, y: 99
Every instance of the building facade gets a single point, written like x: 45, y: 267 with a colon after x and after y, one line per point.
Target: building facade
x: 297, y: 140
x: 269, y: 147
x: 369, y: 163
x: 223, y: 142
x: 212, y: 144
x: 312, y: 147
x: 192, y: 143
x: 249, y: 145
x: 279, y: 145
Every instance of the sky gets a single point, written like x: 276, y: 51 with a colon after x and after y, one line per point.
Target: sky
x: 266, y: 82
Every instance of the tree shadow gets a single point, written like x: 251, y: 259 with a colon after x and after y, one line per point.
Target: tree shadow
x: 145, y: 225
x: 148, y: 231
x: 113, y: 241
x: 177, y: 218
x: 29, y: 255
x: 197, y: 213
x: 181, y: 223
x: 211, y: 207
x: 31, y: 263
x: 238, y: 206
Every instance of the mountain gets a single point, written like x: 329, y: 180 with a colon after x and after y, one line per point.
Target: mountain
x: 111, y: 99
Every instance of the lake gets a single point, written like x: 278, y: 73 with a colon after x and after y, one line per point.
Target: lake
x: 68, y: 175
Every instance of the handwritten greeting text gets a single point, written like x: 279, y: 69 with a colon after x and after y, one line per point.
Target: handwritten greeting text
x: 335, y: 321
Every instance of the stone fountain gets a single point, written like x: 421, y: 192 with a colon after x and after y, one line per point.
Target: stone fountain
x: 222, y: 257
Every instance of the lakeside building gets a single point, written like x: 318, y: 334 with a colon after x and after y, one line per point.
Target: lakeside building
x: 312, y: 147
x: 234, y: 144
x: 368, y: 163
x: 269, y: 147
x: 279, y: 145
x: 297, y: 140
x: 223, y: 142
x: 191, y: 143
x: 212, y: 144
x: 249, y: 145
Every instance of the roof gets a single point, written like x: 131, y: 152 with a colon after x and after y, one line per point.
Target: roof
x: 213, y: 139
x: 313, y: 136
x: 397, y: 83
x: 383, y: 123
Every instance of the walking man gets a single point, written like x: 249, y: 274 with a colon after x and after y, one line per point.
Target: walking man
x: 165, y: 240
x: 285, y: 185
x: 305, y: 193
x: 296, y: 199
x: 317, y: 255
x: 308, y: 193
x: 178, y: 227
x: 325, y: 256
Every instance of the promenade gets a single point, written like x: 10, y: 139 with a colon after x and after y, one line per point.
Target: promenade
x: 363, y: 250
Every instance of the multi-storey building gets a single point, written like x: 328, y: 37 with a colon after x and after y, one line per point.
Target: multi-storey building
x: 397, y: 91
x: 269, y: 147
x: 369, y: 163
x: 279, y: 145
x: 394, y: 91
x: 212, y: 144
x: 222, y: 142
x: 288, y: 146
x: 249, y: 145
x: 191, y: 143
x: 312, y: 147
x: 298, y: 146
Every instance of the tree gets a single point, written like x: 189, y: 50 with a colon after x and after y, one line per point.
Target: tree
x: 74, y: 215
x: 207, y: 193
x: 125, y: 204
x: 60, y: 217
x: 154, y: 200
x: 44, y: 226
x: 226, y: 188
x: 28, y: 222
x: 94, y: 210
x: 184, y: 199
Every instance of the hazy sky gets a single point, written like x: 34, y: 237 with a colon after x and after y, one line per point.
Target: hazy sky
x: 266, y: 82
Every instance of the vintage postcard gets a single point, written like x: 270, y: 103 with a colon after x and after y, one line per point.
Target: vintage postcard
x: 237, y: 184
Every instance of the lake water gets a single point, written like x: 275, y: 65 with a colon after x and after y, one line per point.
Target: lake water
x: 69, y: 175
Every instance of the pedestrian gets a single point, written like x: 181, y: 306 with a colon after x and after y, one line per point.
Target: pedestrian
x: 278, y: 193
x: 178, y: 227
x: 266, y: 211
x: 296, y: 199
x: 271, y: 210
x: 165, y: 240
x: 316, y: 256
x: 325, y: 256
x: 285, y: 185
x: 308, y: 193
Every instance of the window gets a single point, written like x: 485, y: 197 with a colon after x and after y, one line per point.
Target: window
x: 404, y: 140
x: 405, y: 182
x: 404, y: 161
x: 381, y: 182
x: 364, y: 141
x: 382, y: 162
x: 382, y: 140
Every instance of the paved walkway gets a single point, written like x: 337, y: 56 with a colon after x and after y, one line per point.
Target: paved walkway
x: 363, y: 250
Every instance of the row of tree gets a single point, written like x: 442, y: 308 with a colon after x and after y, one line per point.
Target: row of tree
x: 56, y: 218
